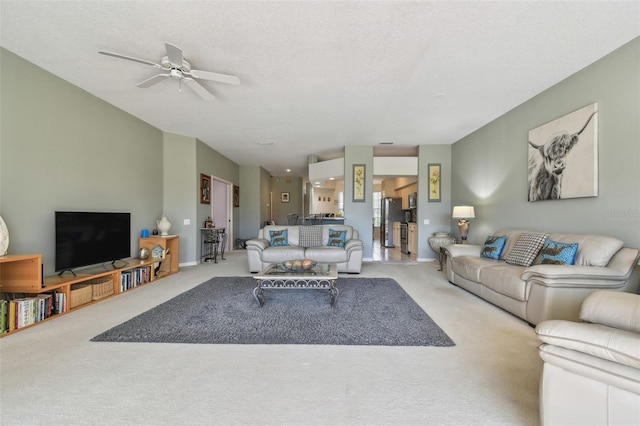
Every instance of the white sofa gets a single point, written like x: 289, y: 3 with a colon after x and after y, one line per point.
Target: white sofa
x: 591, y: 370
x: 260, y: 251
x: 545, y: 291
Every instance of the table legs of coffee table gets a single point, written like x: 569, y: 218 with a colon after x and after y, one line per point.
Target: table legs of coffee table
x: 258, y: 291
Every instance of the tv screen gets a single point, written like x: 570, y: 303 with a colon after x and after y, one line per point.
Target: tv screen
x: 86, y: 238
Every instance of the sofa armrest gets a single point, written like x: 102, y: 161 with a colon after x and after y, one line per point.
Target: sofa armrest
x: 455, y: 250
x: 597, y: 340
x: 575, y: 276
x: 257, y: 244
x: 353, y: 243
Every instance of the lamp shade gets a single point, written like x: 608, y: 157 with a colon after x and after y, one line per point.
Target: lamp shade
x: 463, y: 212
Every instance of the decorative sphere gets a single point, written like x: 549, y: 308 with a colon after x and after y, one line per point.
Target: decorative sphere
x: 144, y: 253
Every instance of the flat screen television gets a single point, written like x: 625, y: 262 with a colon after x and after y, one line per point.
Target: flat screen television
x: 89, y: 238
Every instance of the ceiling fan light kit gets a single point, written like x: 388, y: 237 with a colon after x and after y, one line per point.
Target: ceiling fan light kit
x: 178, y: 68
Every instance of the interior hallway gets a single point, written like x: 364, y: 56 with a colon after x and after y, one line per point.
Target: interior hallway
x: 384, y: 254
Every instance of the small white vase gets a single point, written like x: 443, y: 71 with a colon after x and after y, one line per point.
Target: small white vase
x: 164, y: 225
x: 4, y: 238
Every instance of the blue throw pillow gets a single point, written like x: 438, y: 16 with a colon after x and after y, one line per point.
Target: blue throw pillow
x: 493, y: 246
x: 337, y: 238
x: 555, y: 253
x: 279, y: 238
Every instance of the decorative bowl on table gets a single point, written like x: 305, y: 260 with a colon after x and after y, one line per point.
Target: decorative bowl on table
x: 299, y: 265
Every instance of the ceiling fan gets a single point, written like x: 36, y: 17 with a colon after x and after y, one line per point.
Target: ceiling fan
x: 176, y: 67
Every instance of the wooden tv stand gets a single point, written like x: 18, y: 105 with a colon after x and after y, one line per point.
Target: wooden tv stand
x: 22, y: 274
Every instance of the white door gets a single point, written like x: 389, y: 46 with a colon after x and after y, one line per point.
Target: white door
x: 221, y: 193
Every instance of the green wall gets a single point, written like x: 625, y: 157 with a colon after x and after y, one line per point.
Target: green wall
x: 489, y: 167
x: 438, y: 213
x: 64, y: 149
x: 292, y: 185
x: 359, y: 214
x: 180, y: 190
x: 210, y: 162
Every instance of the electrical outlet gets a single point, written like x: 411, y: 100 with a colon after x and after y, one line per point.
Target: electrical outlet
x: 187, y: 221
x: 426, y: 221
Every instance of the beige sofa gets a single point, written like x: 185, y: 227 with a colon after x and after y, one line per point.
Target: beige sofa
x: 306, y: 242
x: 591, y: 371
x: 544, y: 291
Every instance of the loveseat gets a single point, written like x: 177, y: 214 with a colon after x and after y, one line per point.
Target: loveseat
x: 339, y: 244
x: 539, y: 276
x: 591, y: 370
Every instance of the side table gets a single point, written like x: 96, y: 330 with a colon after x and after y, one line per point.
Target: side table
x: 213, y: 243
x: 442, y: 257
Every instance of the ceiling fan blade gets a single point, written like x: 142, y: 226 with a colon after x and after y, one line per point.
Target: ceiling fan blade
x: 153, y: 80
x: 129, y: 58
x: 214, y: 76
x: 199, y: 89
x: 174, y: 53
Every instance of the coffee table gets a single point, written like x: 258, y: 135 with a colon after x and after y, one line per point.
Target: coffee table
x: 276, y: 276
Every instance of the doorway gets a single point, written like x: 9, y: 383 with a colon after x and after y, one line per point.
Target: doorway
x: 221, y: 207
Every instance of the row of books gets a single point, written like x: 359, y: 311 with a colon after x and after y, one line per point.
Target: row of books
x: 17, y: 312
x: 134, y: 277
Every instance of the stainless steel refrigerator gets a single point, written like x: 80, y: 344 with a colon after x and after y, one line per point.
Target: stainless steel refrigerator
x: 390, y: 211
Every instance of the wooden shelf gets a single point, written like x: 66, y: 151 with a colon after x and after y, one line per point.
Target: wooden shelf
x: 170, y: 245
x: 20, y: 273
x: 23, y: 274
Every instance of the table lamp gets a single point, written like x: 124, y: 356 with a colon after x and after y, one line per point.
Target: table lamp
x: 464, y: 213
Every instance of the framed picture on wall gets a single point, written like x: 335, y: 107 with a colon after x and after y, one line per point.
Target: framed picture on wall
x: 205, y: 189
x: 284, y: 197
x: 236, y: 196
x: 434, y: 182
x: 563, y: 157
x: 358, y: 183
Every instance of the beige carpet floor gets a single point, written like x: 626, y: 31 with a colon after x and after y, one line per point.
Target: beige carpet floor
x: 52, y: 374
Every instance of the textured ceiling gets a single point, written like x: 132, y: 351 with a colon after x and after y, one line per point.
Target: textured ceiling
x: 317, y: 76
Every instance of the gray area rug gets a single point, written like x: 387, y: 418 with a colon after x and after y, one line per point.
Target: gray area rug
x: 369, y: 311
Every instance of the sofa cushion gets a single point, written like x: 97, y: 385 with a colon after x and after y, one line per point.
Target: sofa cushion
x: 526, y: 248
x: 279, y: 254
x: 593, y: 250
x: 278, y: 238
x: 326, y: 254
x: 337, y: 238
x: 335, y: 227
x: 469, y: 267
x: 612, y: 308
x: 311, y: 236
x: 493, y: 247
x: 557, y: 253
x: 505, y: 279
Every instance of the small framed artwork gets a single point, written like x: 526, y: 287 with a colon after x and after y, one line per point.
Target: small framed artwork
x: 358, y: 183
x: 205, y: 189
x: 284, y: 197
x: 236, y: 196
x: 434, y: 182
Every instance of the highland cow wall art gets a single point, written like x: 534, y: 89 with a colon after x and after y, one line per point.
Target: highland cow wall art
x: 563, y: 157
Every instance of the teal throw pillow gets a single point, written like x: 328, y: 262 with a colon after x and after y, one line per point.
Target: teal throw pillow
x: 279, y: 238
x: 493, y: 246
x: 555, y: 253
x: 337, y: 238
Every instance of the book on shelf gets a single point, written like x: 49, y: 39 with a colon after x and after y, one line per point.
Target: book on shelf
x: 18, y: 310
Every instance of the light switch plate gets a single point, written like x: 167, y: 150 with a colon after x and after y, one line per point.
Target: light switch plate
x: 426, y: 221
x: 187, y: 221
